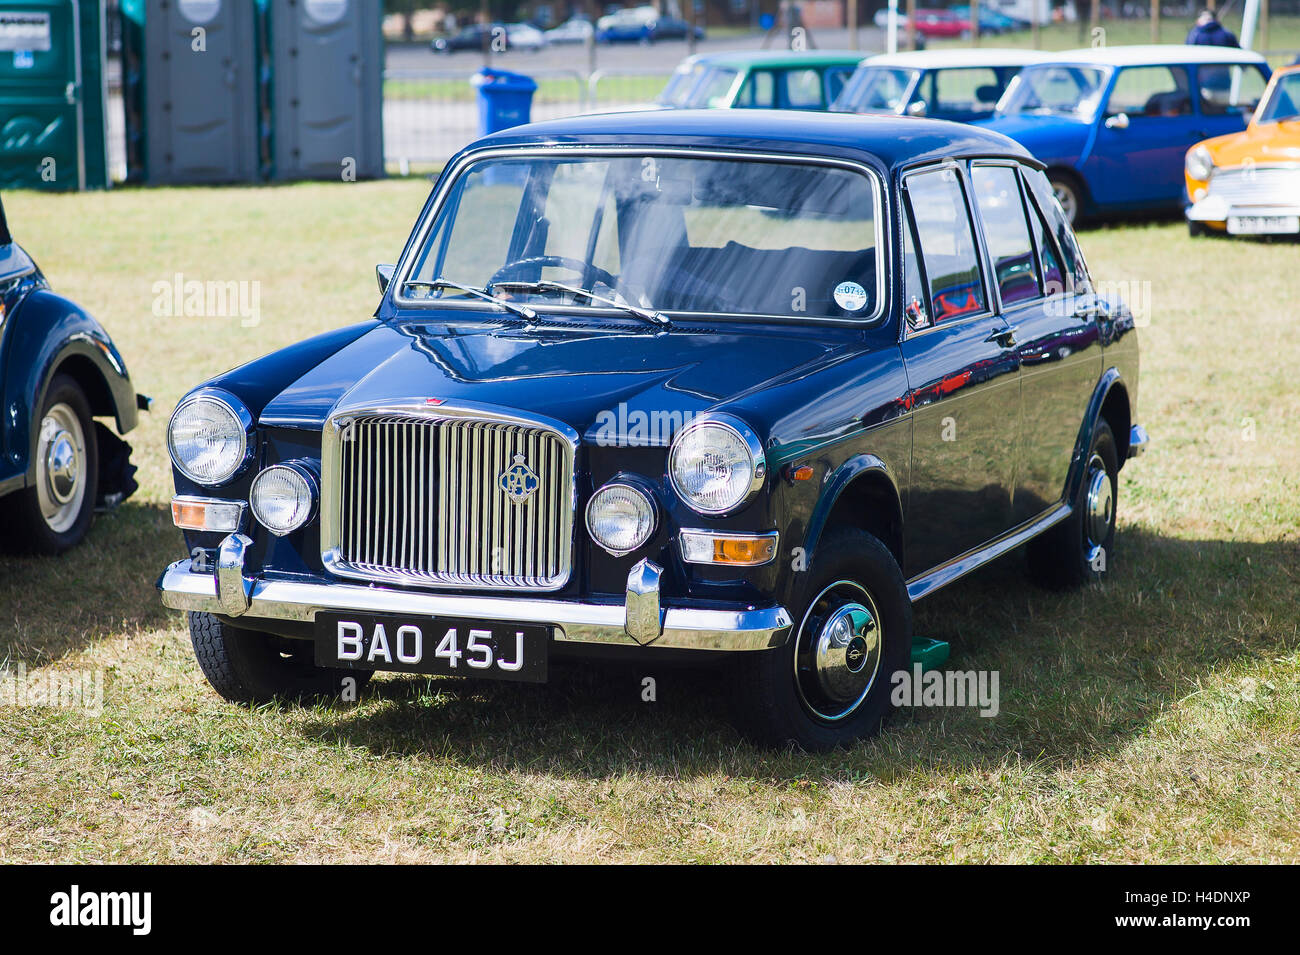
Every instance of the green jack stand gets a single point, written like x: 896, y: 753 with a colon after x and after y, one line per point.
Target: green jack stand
x: 931, y: 654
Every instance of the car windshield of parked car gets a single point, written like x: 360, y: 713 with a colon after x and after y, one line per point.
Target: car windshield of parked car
x: 874, y: 89
x: 711, y: 91
x: 680, y: 84
x: 1055, y: 90
x: 665, y: 232
x: 1284, y: 102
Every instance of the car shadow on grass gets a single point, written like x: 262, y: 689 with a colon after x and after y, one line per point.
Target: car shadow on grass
x: 53, y: 606
x: 1079, y: 672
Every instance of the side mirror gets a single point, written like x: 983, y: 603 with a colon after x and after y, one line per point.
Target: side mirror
x: 916, y: 109
x: 1118, y: 121
x: 384, y: 275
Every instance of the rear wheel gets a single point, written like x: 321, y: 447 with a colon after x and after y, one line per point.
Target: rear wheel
x: 55, y: 513
x: 830, y: 684
x: 246, y: 666
x: 1077, y: 550
x: 1068, y: 193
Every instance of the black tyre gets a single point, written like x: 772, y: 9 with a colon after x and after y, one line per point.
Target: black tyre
x: 1068, y: 193
x: 1078, y: 550
x: 1196, y: 229
x: 830, y: 684
x: 246, y: 666
x: 55, y: 513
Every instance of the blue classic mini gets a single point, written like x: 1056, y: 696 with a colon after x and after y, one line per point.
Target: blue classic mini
x: 1113, y: 124
x: 59, y: 371
x: 713, y: 385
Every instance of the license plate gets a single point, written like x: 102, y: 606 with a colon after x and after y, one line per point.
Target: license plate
x: 442, y: 645
x: 1263, y: 225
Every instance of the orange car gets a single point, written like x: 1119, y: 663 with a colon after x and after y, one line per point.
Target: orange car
x: 1248, y: 183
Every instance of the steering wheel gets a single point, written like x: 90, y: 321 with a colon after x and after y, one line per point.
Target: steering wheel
x: 540, y: 262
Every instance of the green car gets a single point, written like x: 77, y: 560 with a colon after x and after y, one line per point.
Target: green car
x: 759, y: 79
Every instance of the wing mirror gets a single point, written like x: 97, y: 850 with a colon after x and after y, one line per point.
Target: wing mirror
x: 917, y: 108
x: 1118, y: 121
x: 384, y: 275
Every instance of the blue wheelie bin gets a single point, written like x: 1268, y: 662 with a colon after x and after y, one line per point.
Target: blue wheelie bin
x: 505, y: 99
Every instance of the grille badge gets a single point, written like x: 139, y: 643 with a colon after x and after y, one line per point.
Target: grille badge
x: 518, y: 481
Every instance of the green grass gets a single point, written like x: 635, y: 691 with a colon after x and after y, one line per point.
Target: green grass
x: 1155, y: 718
x: 631, y: 87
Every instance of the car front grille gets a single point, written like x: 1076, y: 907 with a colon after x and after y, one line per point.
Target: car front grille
x: 426, y: 499
x: 1257, y: 185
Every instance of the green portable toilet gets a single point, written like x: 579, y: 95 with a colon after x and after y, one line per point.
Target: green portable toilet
x: 53, y: 95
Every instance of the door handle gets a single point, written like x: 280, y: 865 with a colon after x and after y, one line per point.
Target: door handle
x: 1006, y: 337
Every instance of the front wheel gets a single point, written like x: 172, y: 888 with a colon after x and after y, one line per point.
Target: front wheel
x: 1067, y: 193
x: 1077, y: 550
x: 54, y: 514
x: 830, y: 684
x: 246, y: 666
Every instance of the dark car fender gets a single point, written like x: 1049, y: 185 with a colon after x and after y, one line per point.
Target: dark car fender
x: 45, y: 335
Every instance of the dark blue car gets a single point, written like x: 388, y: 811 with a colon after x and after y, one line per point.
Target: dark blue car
x: 1113, y: 124
x: 59, y: 371
x: 714, y: 386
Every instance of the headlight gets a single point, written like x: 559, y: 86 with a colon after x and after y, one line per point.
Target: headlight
x: 208, y: 437
x: 1200, y: 164
x: 283, y: 498
x: 716, y: 464
x: 620, y: 518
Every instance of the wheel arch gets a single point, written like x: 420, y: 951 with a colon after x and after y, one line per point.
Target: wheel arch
x: 1111, y: 403
x: 862, y: 492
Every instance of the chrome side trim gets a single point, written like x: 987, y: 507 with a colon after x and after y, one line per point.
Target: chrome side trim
x: 941, y: 576
x: 1138, y: 440
x: 742, y: 628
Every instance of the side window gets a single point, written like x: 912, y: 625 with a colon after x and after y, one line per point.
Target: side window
x: 918, y: 316
x: 803, y: 89
x: 1049, y: 262
x: 759, y: 91
x: 1076, y: 270
x: 964, y: 91
x: 836, y: 78
x: 1227, y: 89
x: 1150, y: 91
x: 943, y: 228
x: 1006, y: 232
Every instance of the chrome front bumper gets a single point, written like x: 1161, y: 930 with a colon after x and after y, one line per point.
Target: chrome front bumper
x: 1138, y: 441
x: 1218, y: 209
x: 639, y: 621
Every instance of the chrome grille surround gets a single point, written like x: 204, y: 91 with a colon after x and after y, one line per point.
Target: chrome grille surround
x: 443, y: 520
x: 1258, y: 185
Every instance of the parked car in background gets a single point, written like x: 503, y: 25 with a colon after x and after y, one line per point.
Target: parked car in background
x: 668, y: 385
x: 938, y: 23
x: 643, y: 25
x: 992, y: 23
x: 960, y: 85
x: 1248, y: 183
x: 1113, y: 124
x: 59, y: 371
x: 524, y: 36
x: 759, y: 79
x: 475, y: 36
x: 573, y: 30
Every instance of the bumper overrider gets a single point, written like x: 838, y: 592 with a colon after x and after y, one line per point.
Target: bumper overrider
x: 641, y: 620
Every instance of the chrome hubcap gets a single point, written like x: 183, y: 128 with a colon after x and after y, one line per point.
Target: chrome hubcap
x: 61, y: 466
x: 838, y: 651
x: 1101, y: 504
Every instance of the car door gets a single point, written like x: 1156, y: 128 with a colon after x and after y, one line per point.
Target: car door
x: 1051, y: 312
x: 962, y: 374
x: 1146, y: 127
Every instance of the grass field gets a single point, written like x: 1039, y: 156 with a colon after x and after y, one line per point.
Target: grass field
x: 1155, y: 718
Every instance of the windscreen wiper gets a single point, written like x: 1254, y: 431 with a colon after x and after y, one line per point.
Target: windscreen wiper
x: 653, y: 316
x: 523, y: 311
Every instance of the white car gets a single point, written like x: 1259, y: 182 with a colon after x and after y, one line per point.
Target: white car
x: 575, y: 30
x: 524, y: 36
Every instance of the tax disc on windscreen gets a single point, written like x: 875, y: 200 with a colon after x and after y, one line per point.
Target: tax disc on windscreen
x: 850, y: 296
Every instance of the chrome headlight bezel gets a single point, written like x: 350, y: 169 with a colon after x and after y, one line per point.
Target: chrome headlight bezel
x: 1199, y: 163
x: 746, y: 435
x: 646, y: 498
x: 241, y: 430
x: 310, y: 485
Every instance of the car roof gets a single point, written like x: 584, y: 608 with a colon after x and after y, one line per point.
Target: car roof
x: 1156, y: 55
x: 774, y: 59
x: 941, y: 59
x: 893, y: 140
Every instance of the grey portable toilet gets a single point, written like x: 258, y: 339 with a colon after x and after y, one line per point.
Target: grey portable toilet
x: 200, y: 65
x: 327, y: 89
